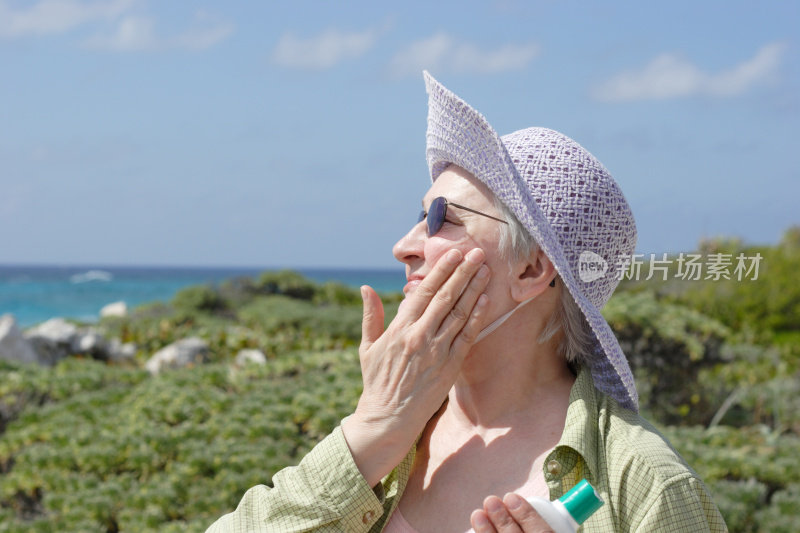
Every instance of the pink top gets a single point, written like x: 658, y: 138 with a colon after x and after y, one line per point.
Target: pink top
x: 536, y: 487
x: 398, y: 524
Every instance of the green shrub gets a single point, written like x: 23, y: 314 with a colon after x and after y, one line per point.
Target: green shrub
x: 667, y: 345
x: 279, y: 313
x: 114, y: 449
x: 781, y: 515
x: 333, y: 292
x: 286, y: 283
x: 754, y: 309
x: 752, y: 472
x: 739, y: 502
x: 199, y: 299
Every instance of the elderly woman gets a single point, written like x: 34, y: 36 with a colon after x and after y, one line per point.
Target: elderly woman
x: 498, y: 377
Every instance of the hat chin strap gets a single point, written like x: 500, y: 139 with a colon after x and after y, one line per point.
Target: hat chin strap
x: 497, y: 323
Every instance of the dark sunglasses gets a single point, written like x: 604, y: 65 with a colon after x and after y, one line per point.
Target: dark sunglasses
x: 438, y: 211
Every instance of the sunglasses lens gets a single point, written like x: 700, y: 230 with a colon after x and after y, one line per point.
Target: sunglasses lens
x: 436, y: 214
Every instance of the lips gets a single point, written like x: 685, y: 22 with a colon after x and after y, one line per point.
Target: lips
x: 413, y: 282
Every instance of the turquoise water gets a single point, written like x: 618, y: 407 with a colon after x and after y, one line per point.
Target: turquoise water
x: 34, y: 294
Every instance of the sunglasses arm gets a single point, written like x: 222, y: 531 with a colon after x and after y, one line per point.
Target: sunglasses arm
x: 476, y: 212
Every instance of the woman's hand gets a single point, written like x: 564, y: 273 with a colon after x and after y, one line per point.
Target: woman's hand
x: 512, y: 514
x: 409, y: 368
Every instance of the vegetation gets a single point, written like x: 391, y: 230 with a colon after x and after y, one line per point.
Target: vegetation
x: 88, y: 446
x: 110, y: 449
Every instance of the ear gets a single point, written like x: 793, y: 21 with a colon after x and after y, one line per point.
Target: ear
x: 532, y: 277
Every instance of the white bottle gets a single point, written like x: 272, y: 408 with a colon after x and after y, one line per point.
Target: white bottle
x: 566, y: 514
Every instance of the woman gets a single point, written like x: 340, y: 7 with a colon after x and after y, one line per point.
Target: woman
x: 498, y: 376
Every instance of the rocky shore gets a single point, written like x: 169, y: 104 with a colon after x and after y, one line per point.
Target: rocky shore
x: 49, y: 342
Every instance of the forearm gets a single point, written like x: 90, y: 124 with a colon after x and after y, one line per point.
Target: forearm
x: 376, y: 449
x: 409, y: 368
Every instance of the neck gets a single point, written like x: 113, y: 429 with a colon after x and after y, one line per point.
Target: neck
x: 507, y: 373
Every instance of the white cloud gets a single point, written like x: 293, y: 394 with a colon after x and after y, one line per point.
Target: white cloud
x: 205, y: 32
x: 670, y: 76
x: 56, y: 16
x: 136, y: 33
x: 441, y: 52
x: 322, y: 51
x: 132, y: 34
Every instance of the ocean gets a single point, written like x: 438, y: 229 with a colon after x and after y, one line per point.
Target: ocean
x: 34, y: 294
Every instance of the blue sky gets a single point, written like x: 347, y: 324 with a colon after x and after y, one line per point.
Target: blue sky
x: 292, y: 133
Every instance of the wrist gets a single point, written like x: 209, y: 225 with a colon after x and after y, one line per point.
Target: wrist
x: 376, y: 448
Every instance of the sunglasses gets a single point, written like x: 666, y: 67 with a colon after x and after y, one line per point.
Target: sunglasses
x: 438, y: 211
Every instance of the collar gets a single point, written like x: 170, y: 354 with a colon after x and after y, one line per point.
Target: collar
x: 579, y: 438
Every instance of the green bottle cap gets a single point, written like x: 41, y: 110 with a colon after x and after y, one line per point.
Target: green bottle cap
x: 581, y: 501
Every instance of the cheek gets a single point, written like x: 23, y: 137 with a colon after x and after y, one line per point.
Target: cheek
x: 436, y: 247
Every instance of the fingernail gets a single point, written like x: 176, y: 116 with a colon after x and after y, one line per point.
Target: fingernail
x: 454, y: 256
x: 494, y: 505
x: 513, y: 501
x: 475, y: 256
x: 482, y: 272
x: 480, y: 520
x: 482, y: 299
x: 364, y: 292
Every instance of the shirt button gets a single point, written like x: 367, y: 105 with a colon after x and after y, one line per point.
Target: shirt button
x: 554, y: 467
x: 368, y: 516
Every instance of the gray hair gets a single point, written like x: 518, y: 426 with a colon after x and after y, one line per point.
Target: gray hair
x: 578, y: 341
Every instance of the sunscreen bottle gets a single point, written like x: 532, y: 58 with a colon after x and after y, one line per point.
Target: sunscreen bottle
x: 566, y: 514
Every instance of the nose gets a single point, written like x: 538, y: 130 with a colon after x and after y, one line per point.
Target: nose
x: 411, y: 246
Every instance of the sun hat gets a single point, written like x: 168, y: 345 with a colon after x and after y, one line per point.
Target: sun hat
x: 566, y: 200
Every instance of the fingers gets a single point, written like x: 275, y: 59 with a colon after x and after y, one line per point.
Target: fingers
x: 525, y: 515
x: 469, y: 333
x: 466, y: 317
x: 372, y: 322
x: 480, y: 522
x: 445, y: 302
x: 512, y: 514
x: 497, y: 517
x: 415, y: 305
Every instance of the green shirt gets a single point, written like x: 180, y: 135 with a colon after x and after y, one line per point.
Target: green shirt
x: 646, y: 485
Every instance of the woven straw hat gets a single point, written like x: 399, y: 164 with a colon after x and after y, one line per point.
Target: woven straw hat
x: 564, y: 197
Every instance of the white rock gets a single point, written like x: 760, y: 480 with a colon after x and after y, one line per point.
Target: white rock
x: 178, y: 355
x: 13, y: 345
x: 56, y: 330
x: 121, y: 353
x: 114, y: 309
x: 250, y: 356
x: 52, y: 340
x: 90, y: 342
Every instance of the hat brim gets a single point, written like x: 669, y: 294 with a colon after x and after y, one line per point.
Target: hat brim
x: 460, y: 135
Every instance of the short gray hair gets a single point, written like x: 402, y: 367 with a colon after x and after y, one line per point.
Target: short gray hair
x: 578, y: 342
